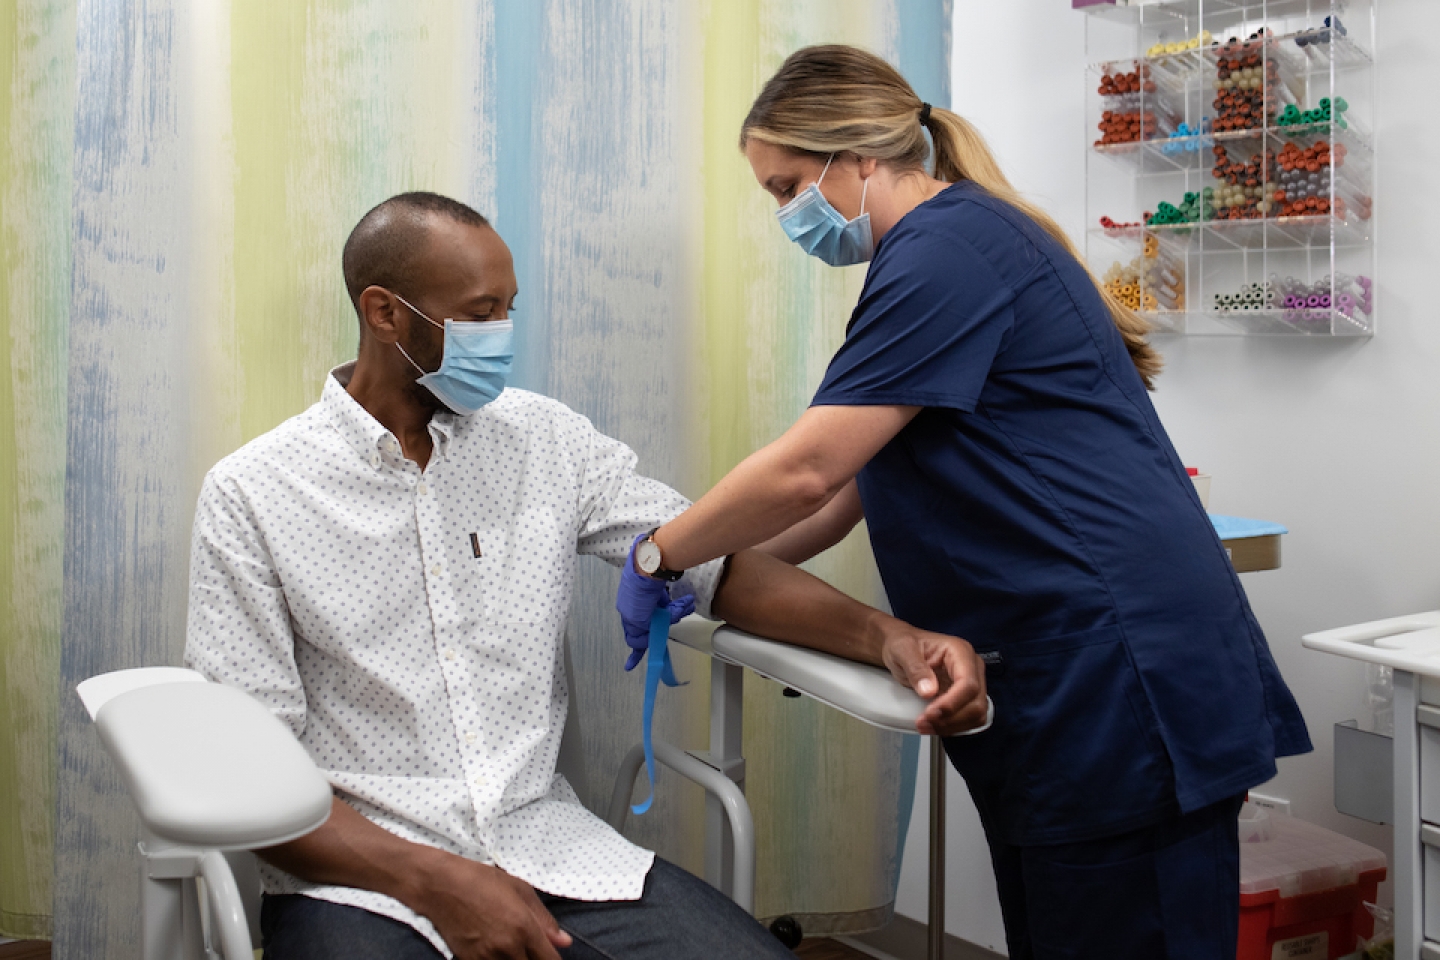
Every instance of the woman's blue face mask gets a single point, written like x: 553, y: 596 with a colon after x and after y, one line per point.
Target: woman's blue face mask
x: 822, y: 232
x: 475, y: 364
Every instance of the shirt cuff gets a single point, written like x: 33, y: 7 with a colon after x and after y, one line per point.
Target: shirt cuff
x: 703, y: 581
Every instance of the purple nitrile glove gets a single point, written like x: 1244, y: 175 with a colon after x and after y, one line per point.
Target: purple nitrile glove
x: 637, y: 597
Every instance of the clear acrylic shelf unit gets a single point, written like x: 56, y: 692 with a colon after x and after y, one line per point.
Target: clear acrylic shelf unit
x: 1231, y: 175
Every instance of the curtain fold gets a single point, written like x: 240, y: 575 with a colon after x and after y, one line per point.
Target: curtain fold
x: 181, y: 175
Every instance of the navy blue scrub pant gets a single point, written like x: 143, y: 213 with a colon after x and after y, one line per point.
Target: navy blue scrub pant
x: 1170, y: 891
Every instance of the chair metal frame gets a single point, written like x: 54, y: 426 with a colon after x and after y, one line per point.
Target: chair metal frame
x: 865, y: 692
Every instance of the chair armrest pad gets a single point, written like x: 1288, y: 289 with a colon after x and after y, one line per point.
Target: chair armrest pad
x: 208, y: 766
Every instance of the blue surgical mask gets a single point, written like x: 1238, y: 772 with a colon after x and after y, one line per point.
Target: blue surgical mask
x: 474, y: 366
x: 822, y: 232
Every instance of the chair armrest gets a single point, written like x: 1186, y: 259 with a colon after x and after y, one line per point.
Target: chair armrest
x: 865, y: 692
x: 207, y: 766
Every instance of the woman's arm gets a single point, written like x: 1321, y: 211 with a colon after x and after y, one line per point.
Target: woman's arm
x: 782, y: 483
x: 820, y: 532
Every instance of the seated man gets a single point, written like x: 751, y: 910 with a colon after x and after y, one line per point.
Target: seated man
x: 390, y: 573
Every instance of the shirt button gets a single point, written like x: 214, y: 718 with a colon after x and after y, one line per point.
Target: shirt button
x: 480, y: 782
x: 436, y: 569
x: 422, y: 489
x: 470, y: 737
x: 449, y: 654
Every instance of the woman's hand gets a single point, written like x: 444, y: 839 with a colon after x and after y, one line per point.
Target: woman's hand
x: 942, y: 669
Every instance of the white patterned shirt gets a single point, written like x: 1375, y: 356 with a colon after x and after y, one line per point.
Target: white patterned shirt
x: 408, y: 626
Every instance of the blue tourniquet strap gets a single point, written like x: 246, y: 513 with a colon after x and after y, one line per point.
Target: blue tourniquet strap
x: 657, y: 670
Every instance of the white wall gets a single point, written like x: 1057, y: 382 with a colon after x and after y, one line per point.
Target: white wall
x: 1338, y: 441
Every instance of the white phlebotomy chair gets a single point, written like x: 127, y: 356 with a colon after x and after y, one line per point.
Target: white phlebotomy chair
x: 213, y: 775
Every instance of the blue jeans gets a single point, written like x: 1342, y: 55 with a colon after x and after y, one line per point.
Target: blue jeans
x: 678, y: 917
x: 1170, y: 891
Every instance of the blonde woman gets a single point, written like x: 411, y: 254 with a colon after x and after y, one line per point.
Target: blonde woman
x: 987, y: 415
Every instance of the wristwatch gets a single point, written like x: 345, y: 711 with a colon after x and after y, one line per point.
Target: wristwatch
x: 647, y: 559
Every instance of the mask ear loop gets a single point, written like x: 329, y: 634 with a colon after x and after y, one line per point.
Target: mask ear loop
x: 864, y: 187
x: 823, y: 172
x: 422, y: 316
x: 407, y: 357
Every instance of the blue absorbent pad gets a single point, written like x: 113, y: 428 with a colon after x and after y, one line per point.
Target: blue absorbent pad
x: 1239, y: 528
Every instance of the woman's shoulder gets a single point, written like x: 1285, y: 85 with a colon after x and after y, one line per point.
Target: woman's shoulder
x: 964, y: 222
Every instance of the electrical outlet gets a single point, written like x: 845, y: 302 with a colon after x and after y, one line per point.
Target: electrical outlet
x: 1272, y: 804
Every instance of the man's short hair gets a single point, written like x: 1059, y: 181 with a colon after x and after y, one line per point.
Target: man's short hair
x: 385, y: 248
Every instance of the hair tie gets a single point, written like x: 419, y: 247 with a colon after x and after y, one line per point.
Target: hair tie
x: 924, y: 114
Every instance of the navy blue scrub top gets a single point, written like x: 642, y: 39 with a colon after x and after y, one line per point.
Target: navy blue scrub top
x: 1036, y: 508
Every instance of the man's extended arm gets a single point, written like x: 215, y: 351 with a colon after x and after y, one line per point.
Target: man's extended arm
x: 770, y: 598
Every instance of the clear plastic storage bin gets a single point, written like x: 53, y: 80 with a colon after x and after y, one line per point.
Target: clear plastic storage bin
x: 1302, y: 889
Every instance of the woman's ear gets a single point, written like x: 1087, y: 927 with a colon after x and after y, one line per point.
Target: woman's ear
x: 867, y: 167
x: 380, y: 314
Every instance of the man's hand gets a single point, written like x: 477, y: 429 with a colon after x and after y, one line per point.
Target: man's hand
x: 772, y: 599
x: 485, y: 914
x: 944, y: 670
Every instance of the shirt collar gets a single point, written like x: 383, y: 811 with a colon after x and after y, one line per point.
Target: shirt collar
x: 367, y: 436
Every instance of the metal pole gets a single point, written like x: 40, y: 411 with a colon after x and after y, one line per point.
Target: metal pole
x: 1409, y: 854
x: 727, y: 704
x: 935, y: 949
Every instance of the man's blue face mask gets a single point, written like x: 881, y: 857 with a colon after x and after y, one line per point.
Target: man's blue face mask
x: 818, y: 227
x: 475, y: 364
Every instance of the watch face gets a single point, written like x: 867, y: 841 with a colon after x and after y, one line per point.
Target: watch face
x: 647, y: 556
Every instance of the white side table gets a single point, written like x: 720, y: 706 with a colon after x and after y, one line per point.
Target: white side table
x: 1411, y: 647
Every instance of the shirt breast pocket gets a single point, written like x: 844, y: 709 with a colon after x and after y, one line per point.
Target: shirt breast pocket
x: 527, y: 572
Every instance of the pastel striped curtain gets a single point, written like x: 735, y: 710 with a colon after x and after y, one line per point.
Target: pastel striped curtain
x: 179, y: 177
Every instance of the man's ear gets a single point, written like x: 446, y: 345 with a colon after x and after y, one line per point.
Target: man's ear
x: 380, y: 313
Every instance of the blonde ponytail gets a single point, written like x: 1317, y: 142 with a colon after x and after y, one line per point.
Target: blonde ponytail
x: 961, y: 154
x: 833, y: 98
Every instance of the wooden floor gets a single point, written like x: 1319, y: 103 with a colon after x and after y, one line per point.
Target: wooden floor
x: 819, y: 949
x: 25, y: 950
x: 815, y: 949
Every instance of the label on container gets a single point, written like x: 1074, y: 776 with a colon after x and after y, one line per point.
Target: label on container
x: 1312, y: 946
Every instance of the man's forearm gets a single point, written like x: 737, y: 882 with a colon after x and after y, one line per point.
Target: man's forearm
x: 478, y: 909
x: 348, y: 850
x: 772, y: 599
